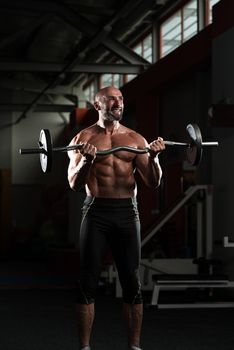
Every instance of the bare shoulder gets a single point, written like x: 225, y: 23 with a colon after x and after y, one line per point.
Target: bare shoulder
x: 84, y: 135
x: 135, y: 136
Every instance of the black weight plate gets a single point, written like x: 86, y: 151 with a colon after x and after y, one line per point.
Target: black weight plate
x: 194, y: 151
x: 45, y: 143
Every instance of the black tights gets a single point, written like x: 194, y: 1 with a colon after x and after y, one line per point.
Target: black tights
x: 114, y: 223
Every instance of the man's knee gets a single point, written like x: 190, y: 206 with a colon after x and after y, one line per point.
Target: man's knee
x: 86, y: 292
x: 132, y: 289
x: 133, y: 299
x: 85, y: 299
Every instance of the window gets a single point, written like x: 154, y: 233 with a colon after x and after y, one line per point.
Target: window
x: 89, y: 92
x: 181, y: 26
x: 117, y: 80
x: 144, y: 48
x: 111, y: 80
x: 130, y: 77
x: 190, y: 20
x: 171, y: 34
x: 106, y: 80
x: 210, y: 4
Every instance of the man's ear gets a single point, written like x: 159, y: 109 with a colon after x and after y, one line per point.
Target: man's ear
x: 97, y: 105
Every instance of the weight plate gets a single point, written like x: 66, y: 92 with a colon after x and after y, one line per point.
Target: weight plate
x: 45, y: 143
x: 194, y: 151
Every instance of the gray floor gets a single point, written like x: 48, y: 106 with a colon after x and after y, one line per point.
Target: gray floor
x: 43, y: 319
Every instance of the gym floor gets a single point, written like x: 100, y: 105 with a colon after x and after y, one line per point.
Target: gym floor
x: 44, y: 319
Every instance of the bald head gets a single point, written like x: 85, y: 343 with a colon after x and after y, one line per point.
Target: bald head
x: 109, y: 103
x: 107, y: 91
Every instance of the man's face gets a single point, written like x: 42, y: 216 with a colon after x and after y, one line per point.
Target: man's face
x: 112, y: 106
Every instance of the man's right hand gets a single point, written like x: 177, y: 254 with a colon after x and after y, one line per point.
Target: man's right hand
x: 88, y: 151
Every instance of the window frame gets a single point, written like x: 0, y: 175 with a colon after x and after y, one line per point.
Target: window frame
x: 203, y: 20
x: 179, y: 8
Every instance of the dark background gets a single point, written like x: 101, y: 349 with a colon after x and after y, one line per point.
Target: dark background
x: 49, y: 52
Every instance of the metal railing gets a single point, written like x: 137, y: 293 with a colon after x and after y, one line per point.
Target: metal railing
x: 207, y: 250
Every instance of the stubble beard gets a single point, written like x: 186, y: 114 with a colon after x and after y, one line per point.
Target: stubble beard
x: 110, y: 116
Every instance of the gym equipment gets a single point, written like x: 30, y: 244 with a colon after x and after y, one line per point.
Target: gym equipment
x: 183, y: 282
x: 193, y: 147
x: 227, y: 243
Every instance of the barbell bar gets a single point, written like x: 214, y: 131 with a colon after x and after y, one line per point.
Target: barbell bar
x: 45, y: 149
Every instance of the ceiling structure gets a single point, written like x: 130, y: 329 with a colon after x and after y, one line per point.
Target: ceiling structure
x: 49, y: 47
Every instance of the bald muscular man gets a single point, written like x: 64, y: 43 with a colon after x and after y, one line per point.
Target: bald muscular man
x: 110, y: 214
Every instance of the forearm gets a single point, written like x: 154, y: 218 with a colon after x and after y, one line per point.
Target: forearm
x: 78, y: 175
x: 154, y: 172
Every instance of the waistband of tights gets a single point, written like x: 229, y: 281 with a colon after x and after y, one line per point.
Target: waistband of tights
x: 112, y: 202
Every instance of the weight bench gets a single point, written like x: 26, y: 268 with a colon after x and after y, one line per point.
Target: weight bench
x: 186, y: 281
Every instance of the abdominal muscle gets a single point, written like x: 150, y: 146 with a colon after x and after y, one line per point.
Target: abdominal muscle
x: 111, y: 177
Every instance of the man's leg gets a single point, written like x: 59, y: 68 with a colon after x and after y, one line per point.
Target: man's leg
x: 133, y: 314
x: 85, y: 317
x: 92, y: 248
x: 126, y: 248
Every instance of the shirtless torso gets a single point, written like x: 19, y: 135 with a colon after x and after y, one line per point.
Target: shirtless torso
x: 113, y: 175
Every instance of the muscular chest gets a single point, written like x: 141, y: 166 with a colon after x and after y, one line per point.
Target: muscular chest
x: 103, y: 142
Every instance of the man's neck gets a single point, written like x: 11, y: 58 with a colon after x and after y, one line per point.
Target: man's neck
x: 108, y: 126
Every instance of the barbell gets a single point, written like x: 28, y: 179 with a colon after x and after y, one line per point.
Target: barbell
x: 45, y: 150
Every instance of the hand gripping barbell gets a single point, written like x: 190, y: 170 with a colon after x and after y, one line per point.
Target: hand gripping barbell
x: 45, y: 150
